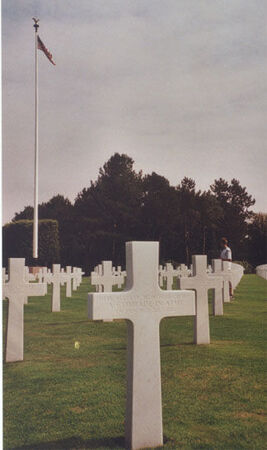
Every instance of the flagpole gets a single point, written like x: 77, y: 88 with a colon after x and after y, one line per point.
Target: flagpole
x: 36, y: 150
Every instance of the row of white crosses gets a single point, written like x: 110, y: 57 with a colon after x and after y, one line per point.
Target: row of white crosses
x: 143, y: 304
x: 105, y: 276
x: 169, y: 273
x: 120, y: 276
x: 17, y: 288
x: 58, y: 277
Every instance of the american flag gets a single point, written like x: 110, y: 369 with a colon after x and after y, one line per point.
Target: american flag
x: 42, y: 47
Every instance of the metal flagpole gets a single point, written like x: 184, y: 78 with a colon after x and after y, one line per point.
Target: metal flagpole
x: 36, y: 153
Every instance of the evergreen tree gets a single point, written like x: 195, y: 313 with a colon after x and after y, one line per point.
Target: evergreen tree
x: 233, y: 224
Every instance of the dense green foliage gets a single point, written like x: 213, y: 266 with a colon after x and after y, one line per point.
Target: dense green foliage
x: 257, y: 240
x: 62, y: 397
x: 17, y: 242
x: 124, y: 205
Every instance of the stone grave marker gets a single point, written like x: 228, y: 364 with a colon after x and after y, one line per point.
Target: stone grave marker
x: 16, y: 289
x: 183, y: 271
x: 74, y: 279
x: 80, y: 274
x: 237, y: 272
x: 47, y: 275
x: 29, y: 276
x: 108, y: 279
x: 77, y: 277
x: 64, y: 279
x: 96, y: 278
x: 98, y: 272
x: 39, y: 275
x: 143, y: 304
x: 201, y: 283
x: 56, y: 280
x: 105, y: 277
x: 124, y: 275
x: 222, y: 269
x: 261, y: 271
x: 68, y: 282
x: 228, y: 277
x: 120, y: 275
x: 209, y: 269
x: 191, y: 270
x: 169, y: 274
x: 217, y: 293
x: 161, y: 275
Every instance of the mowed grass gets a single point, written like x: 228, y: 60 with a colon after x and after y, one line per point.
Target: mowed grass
x: 62, y: 397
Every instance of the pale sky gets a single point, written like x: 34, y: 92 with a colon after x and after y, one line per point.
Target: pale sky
x: 178, y: 85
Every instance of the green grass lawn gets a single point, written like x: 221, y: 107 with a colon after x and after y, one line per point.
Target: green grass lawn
x: 62, y: 397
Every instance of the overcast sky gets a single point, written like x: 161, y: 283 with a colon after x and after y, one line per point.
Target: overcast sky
x: 178, y: 85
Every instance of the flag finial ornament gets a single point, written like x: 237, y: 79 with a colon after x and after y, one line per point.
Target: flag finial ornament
x: 36, y: 26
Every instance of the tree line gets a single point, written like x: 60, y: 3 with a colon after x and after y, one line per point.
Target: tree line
x: 124, y: 205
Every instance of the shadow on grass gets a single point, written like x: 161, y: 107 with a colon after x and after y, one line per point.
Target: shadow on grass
x: 178, y: 345
x: 77, y: 444
x: 49, y: 324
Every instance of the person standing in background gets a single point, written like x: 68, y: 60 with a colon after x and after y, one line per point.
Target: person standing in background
x: 226, y: 255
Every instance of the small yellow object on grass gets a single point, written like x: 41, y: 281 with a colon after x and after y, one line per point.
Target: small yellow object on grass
x: 77, y: 345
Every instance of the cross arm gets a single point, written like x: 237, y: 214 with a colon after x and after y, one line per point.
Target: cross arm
x: 36, y: 289
x: 186, y: 283
x: 129, y: 304
x: 64, y: 277
x: 95, y: 279
x: 107, y: 306
x: 228, y: 276
x: 177, y: 303
x: 215, y: 281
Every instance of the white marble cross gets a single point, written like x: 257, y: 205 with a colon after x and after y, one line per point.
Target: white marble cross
x: 56, y: 280
x: 29, y: 276
x: 105, y: 277
x: 64, y: 279
x: 209, y: 269
x: 161, y: 275
x: 169, y: 274
x: 68, y: 282
x: 16, y: 289
x: 143, y: 304
x: 80, y: 274
x: 120, y: 275
x: 183, y: 271
x: 217, y: 295
x: 95, y: 278
x: 221, y: 268
x: 74, y: 279
x: 201, y: 283
x: 39, y: 275
x: 191, y: 270
x: 47, y: 275
x: 228, y: 277
x: 237, y: 272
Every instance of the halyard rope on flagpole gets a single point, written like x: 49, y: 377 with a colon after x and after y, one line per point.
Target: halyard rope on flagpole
x: 36, y: 153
